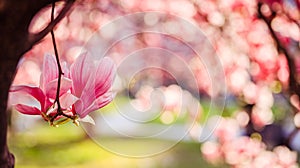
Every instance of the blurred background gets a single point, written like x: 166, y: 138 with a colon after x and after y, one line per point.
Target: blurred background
x: 229, y: 94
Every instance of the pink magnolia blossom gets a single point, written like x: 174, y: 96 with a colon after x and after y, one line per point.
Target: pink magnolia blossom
x: 91, y: 83
x: 85, y: 88
x: 34, y: 100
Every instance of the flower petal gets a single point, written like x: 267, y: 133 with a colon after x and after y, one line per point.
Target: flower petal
x: 49, y: 72
x: 51, y: 87
x: 79, y: 107
x: 80, y: 73
x: 87, y: 119
x: 27, y: 109
x: 35, y: 92
x: 98, y: 83
x: 65, y: 69
x: 97, y: 104
x: 105, y: 99
x: 88, y: 95
x: 67, y: 100
x: 104, y: 75
x: 24, y: 99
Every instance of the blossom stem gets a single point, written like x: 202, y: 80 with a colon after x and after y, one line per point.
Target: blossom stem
x: 60, y: 72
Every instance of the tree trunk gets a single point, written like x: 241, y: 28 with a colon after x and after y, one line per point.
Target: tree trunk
x: 15, y: 17
x: 6, y: 75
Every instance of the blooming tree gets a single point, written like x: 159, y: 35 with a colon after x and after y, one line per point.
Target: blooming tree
x: 257, y: 42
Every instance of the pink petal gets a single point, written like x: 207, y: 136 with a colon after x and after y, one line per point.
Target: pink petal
x: 104, y: 76
x: 105, y: 99
x: 27, y: 109
x: 97, y: 104
x: 48, y: 104
x: 79, y: 106
x: 65, y: 70
x: 88, y: 95
x: 50, y: 71
x: 35, y: 92
x: 103, y: 82
x: 24, y: 99
x: 67, y: 100
x: 80, y: 73
x: 51, y: 87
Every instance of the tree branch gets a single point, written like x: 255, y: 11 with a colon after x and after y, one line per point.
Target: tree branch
x: 34, y: 38
x: 60, y: 73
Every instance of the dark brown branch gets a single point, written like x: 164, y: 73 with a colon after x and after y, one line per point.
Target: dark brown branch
x: 34, y: 38
x: 60, y: 74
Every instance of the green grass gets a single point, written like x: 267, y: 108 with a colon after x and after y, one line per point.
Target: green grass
x: 68, y: 147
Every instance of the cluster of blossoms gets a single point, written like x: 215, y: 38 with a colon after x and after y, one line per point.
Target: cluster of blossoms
x: 84, y: 88
x: 242, y: 151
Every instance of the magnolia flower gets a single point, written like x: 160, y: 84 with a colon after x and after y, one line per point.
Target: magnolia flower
x: 84, y: 89
x: 38, y: 100
x: 91, y: 83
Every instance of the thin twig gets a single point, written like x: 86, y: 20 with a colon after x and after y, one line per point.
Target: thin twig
x: 60, y: 73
